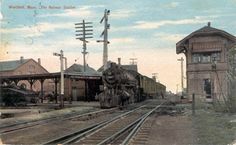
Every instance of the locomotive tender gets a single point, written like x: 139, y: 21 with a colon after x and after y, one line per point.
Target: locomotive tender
x: 123, y: 87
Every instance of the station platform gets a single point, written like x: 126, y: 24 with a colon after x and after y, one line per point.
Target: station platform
x: 12, y: 115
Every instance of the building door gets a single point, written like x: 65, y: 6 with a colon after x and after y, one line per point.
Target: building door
x: 207, y: 88
x: 74, y: 94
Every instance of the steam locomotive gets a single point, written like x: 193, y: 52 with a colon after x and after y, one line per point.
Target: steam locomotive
x: 122, y: 87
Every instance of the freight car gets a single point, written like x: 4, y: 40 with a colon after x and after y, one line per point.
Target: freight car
x: 123, y: 86
x: 151, y: 88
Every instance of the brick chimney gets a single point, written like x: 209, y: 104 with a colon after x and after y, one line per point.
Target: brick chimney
x: 39, y: 61
x: 119, y: 61
x: 21, y: 59
x: 209, y: 24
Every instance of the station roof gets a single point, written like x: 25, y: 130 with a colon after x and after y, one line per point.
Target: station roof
x: 75, y: 71
x: 79, y: 69
x: 56, y: 75
x: 12, y: 65
x: 204, y: 31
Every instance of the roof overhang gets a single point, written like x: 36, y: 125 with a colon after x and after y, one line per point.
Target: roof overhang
x: 182, y: 45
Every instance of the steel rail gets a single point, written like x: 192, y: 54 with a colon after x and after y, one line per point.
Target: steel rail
x: 66, y: 137
x: 101, y: 125
x: 138, y: 126
x: 109, y: 139
x: 33, y: 123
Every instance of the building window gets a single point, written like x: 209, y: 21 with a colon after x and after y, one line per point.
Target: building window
x: 205, y: 57
x: 196, y: 58
x: 215, y: 56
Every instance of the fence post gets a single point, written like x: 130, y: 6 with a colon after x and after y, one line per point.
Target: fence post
x: 193, y: 104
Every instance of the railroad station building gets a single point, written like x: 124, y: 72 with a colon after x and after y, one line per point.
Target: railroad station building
x: 29, y: 74
x: 206, y: 52
x: 83, y: 88
x: 26, y: 67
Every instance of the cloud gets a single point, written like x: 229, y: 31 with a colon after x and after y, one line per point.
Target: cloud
x: 158, y: 24
x: 70, y: 13
x: 72, y: 43
x: 122, y: 40
x: 170, y: 37
x: 72, y: 50
x: 122, y: 13
x: 81, y: 12
x: 37, y: 30
x: 1, y: 16
x: 25, y: 31
x: 89, y: 12
x: 47, y: 27
x: 120, y: 28
x: 92, y: 6
x: 172, y: 5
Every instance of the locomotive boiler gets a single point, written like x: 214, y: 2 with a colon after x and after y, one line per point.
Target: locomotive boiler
x: 122, y: 87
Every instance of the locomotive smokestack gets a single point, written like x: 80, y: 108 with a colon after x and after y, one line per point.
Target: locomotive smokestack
x: 119, y: 59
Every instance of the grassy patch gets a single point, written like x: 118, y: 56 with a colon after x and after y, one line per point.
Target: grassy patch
x: 212, y: 128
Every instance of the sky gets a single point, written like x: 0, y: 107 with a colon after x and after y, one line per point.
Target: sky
x: 144, y: 29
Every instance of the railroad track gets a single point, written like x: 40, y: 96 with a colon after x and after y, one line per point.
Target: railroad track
x: 4, y: 129
x: 140, y: 132
x: 118, y: 130
x: 23, y: 125
x: 140, y: 135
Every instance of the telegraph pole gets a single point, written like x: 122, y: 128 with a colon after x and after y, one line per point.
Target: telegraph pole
x: 133, y: 61
x: 62, y: 77
x: 182, y: 74
x: 105, y: 37
x: 83, y: 34
x: 65, y: 62
x: 84, y: 31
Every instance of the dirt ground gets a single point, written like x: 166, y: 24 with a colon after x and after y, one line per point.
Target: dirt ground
x: 171, y: 130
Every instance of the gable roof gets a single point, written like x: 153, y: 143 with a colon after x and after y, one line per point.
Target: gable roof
x: 204, y: 31
x: 12, y: 65
x: 126, y: 67
x: 15, y: 64
x: 79, y: 69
